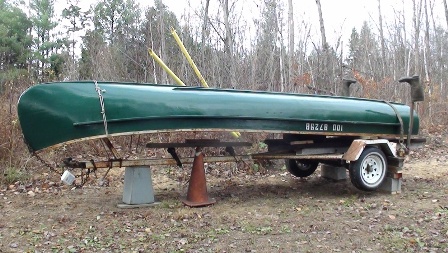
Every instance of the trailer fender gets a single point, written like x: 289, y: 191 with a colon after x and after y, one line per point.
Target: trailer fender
x: 358, y: 145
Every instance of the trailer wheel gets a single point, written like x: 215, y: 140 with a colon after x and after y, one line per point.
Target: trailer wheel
x: 369, y: 171
x: 301, y: 168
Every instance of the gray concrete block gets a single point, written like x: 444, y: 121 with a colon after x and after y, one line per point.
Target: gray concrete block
x: 138, y: 189
x: 333, y: 173
x: 392, y: 185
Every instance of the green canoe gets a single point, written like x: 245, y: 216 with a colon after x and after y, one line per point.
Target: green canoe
x: 51, y: 114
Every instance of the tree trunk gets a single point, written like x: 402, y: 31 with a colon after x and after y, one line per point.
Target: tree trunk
x: 228, y: 43
x: 416, y: 21
x: 291, y: 42
x: 228, y: 39
x: 324, y: 70
x: 404, y: 41
x: 154, y: 72
x: 383, y: 46
x: 162, y: 52
x: 205, y: 22
x: 446, y: 11
x: 281, y: 64
x: 205, y: 34
x: 322, y: 26
x: 425, y: 57
x: 427, y: 47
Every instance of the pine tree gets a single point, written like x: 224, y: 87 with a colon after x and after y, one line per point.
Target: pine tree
x: 15, y: 43
x: 45, y: 43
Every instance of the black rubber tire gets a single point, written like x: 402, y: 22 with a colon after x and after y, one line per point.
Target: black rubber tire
x: 369, y: 171
x: 301, y: 168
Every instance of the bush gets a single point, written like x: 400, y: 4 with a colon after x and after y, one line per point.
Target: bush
x: 14, y: 155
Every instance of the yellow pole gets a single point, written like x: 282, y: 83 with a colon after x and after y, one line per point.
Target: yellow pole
x: 195, y: 68
x: 168, y: 70
x: 187, y: 55
x: 236, y: 134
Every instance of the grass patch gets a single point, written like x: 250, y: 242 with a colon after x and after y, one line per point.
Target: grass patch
x: 259, y: 230
x: 349, y: 201
x: 12, y: 175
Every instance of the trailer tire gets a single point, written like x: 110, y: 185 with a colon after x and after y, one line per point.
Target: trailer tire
x: 301, y: 168
x: 368, y: 172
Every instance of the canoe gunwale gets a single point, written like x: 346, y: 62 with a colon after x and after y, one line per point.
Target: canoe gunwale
x: 200, y: 88
x: 89, y: 123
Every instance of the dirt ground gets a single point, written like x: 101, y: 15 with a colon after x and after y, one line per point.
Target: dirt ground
x: 263, y: 211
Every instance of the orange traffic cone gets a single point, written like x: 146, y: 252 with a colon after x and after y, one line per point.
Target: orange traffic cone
x: 197, y: 188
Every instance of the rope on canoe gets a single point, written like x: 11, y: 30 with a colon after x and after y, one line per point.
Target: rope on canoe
x: 103, y: 109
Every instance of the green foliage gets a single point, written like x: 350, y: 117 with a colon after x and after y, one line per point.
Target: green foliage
x: 364, y: 51
x: 43, y: 23
x: 354, y: 47
x: 75, y: 16
x: 92, y: 45
x: 85, y: 70
x: 115, y: 19
x: 45, y: 42
x: 10, y: 75
x: 255, y: 167
x: 56, y: 65
x: 15, y: 43
x: 77, y: 20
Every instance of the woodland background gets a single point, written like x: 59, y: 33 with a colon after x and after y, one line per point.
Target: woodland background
x: 35, y: 47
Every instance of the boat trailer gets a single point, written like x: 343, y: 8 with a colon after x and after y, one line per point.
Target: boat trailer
x: 371, y: 163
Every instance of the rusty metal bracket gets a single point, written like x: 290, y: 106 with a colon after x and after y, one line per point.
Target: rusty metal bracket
x: 111, y: 147
x: 173, y: 154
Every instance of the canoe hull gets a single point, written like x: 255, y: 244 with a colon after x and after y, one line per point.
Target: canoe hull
x: 56, y: 113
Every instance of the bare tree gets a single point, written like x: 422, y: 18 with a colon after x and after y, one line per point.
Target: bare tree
x: 427, y: 47
x: 326, y: 59
x: 383, y: 46
x: 291, y: 41
x: 402, y: 23
x: 322, y: 26
x: 205, y: 32
x: 228, y: 42
x: 416, y: 20
x: 425, y: 55
x: 163, y: 50
x: 282, y: 51
x: 446, y: 11
x: 205, y: 22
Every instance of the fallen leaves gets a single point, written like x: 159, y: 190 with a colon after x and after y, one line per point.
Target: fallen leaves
x: 254, y: 212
